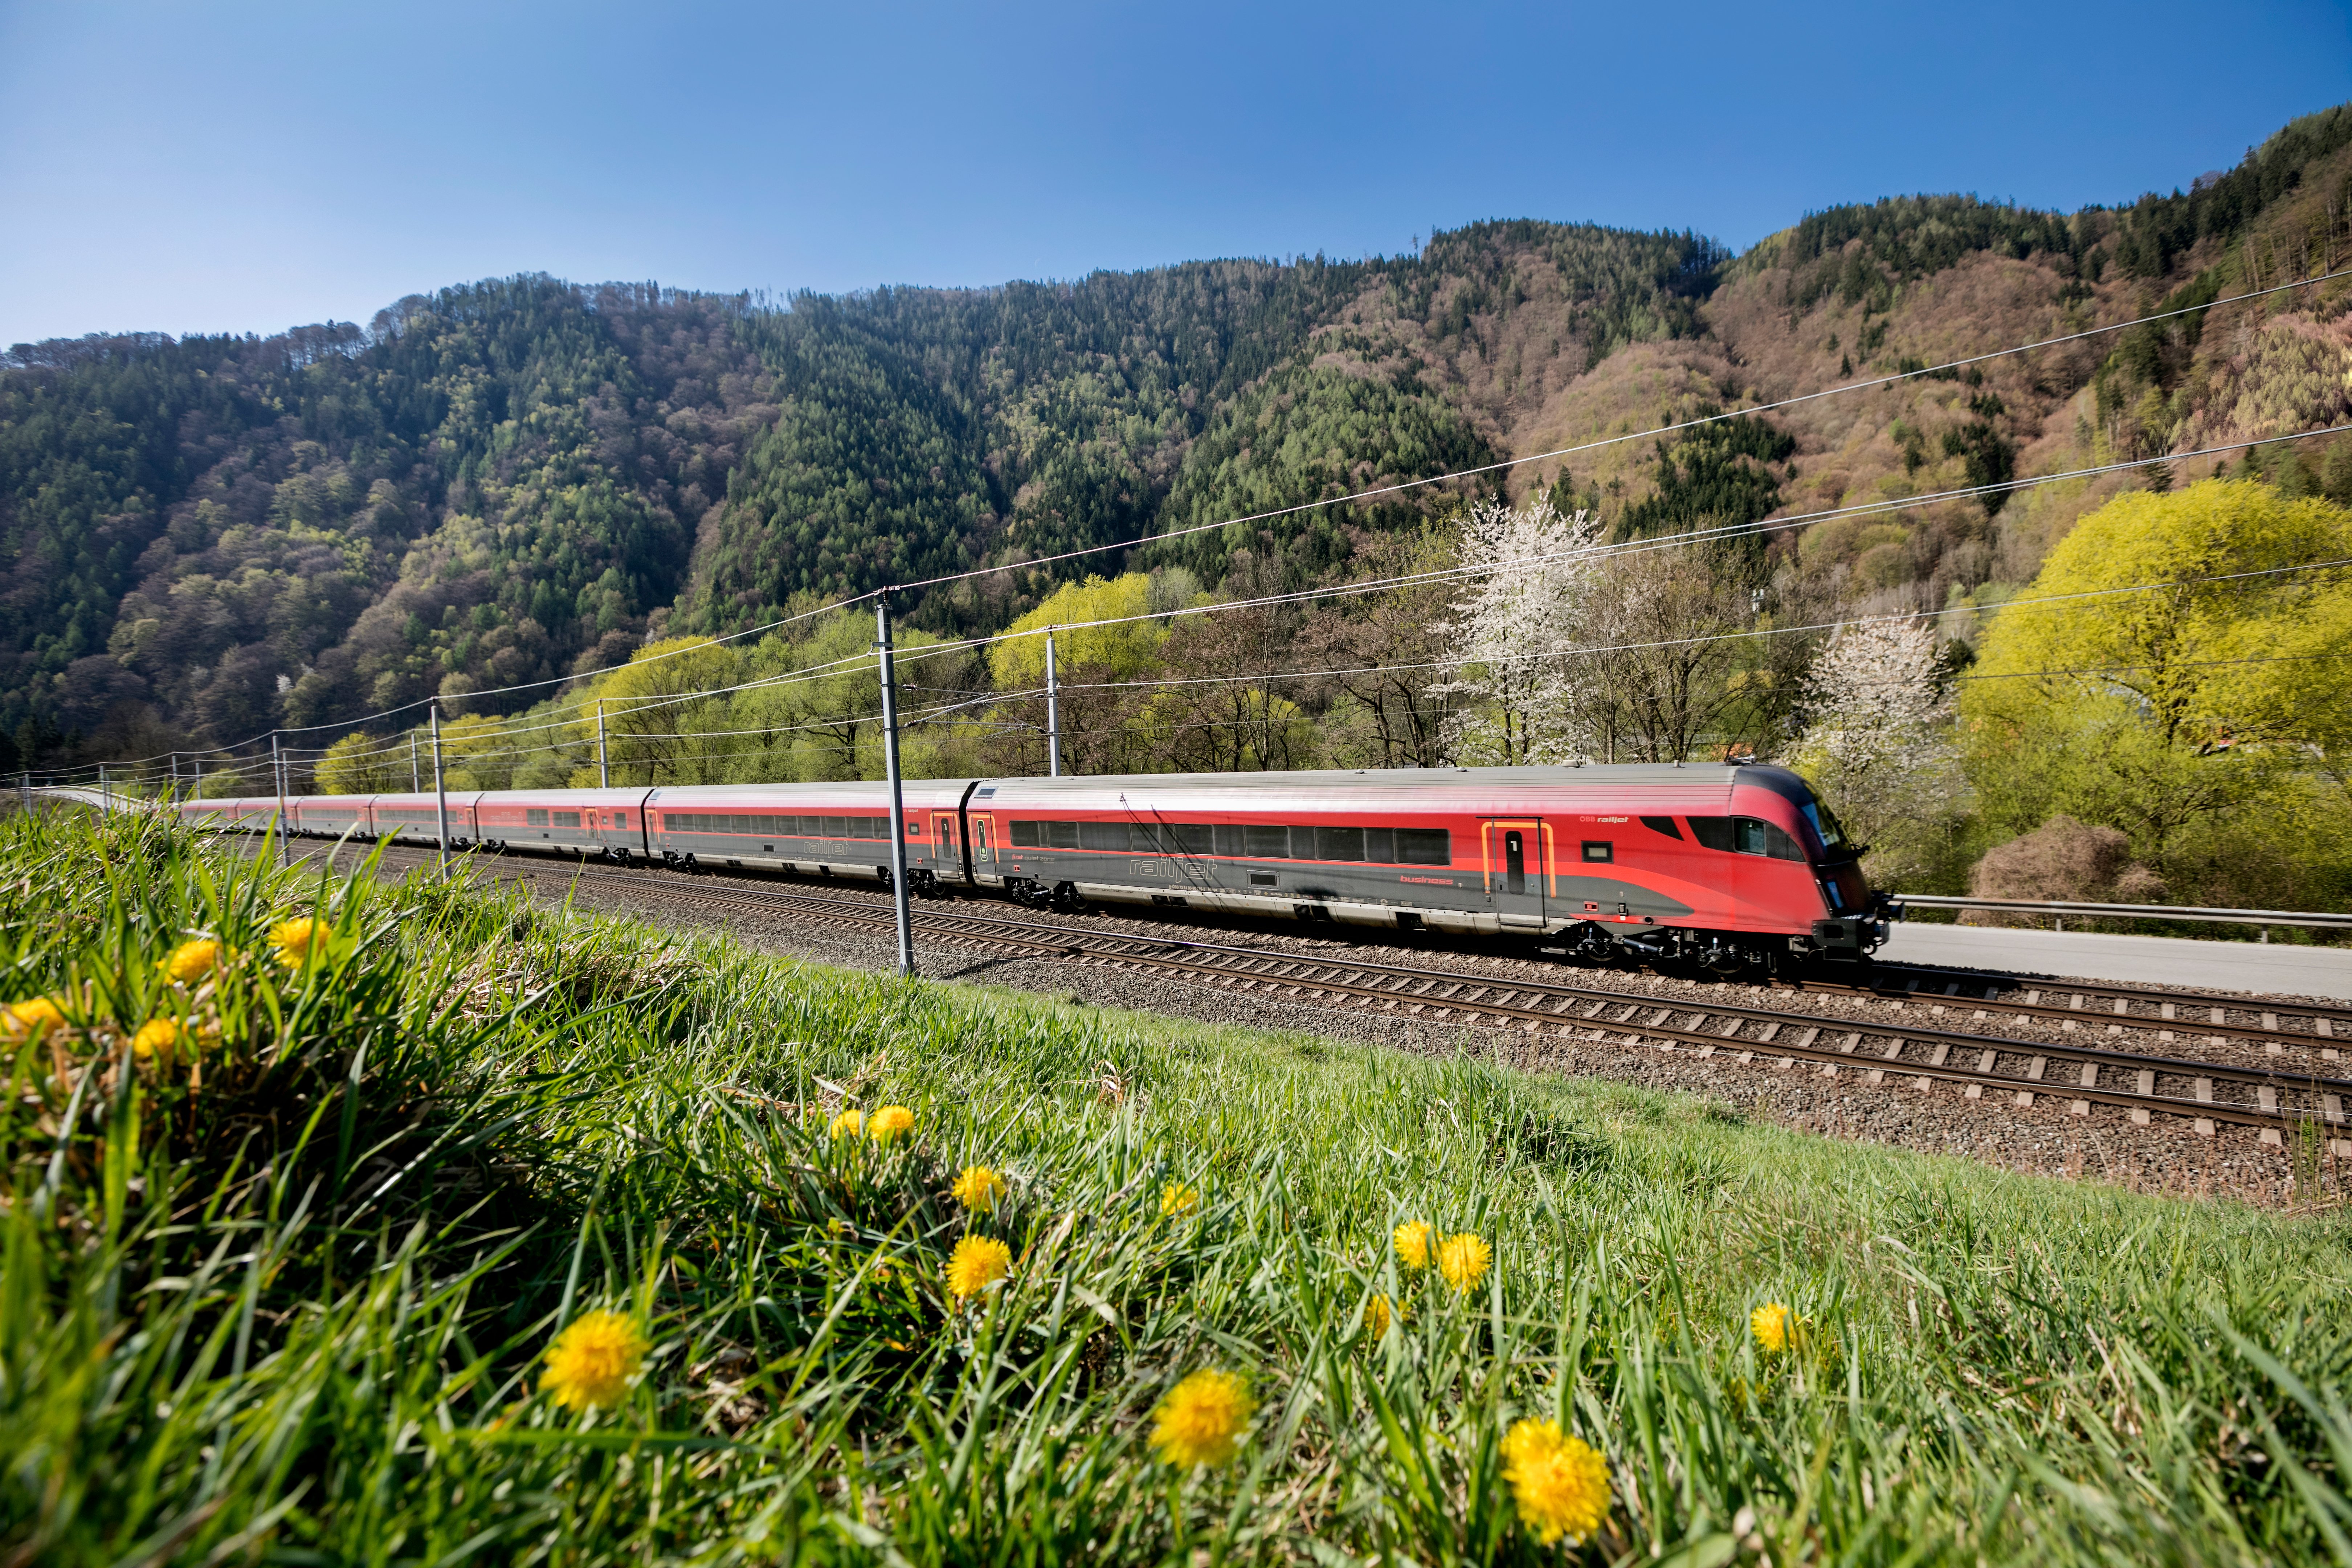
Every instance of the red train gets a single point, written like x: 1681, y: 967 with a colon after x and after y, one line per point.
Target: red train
x: 1725, y: 866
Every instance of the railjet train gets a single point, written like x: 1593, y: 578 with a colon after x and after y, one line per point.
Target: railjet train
x: 1729, y: 866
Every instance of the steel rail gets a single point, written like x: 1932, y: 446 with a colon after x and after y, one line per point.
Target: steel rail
x: 1484, y: 997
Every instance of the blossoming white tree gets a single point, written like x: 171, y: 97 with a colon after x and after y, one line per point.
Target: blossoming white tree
x: 1878, y: 744
x: 1533, y: 564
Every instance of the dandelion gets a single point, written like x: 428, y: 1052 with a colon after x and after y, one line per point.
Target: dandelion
x: 34, y: 1016
x: 155, y: 1037
x: 848, y: 1124
x: 1379, y: 1313
x: 1200, y: 1419
x: 890, y: 1122
x: 300, y: 940
x: 1412, y: 1239
x: 1772, y: 1323
x: 590, y: 1364
x: 979, y: 1188
x: 1177, y: 1200
x: 978, y: 1262
x: 1463, y: 1260
x: 192, y: 961
x: 1560, y: 1484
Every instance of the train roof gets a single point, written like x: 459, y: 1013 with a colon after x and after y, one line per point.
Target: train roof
x: 858, y: 794
x: 1705, y: 787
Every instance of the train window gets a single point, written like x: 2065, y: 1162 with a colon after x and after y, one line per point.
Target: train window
x: 1102, y: 835
x: 1188, y: 837
x: 1713, y: 832
x: 914, y: 828
x: 832, y: 826
x: 533, y: 816
x: 1380, y: 844
x: 1231, y: 839
x: 1758, y: 837
x: 1338, y: 844
x: 1600, y: 851
x: 1061, y: 835
x: 1302, y: 844
x: 1025, y: 835
x: 1262, y: 843
x: 563, y: 819
x: 620, y: 820
x: 1424, y: 847
x: 1664, y: 825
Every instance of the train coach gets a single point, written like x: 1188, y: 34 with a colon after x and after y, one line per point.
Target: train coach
x: 1728, y: 866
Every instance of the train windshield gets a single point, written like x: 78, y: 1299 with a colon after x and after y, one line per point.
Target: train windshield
x: 1826, y: 826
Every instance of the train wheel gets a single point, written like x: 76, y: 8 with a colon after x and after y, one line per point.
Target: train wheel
x: 1069, y: 900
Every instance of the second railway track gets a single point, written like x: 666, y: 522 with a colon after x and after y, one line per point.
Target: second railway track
x: 2274, y: 1099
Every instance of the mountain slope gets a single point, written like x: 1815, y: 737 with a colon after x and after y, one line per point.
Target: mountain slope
x: 517, y: 480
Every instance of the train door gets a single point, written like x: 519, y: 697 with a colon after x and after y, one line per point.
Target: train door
x: 1516, y: 867
x: 983, y: 848
x: 947, y: 854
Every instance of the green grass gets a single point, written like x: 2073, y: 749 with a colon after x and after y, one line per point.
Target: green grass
x: 296, y: 1308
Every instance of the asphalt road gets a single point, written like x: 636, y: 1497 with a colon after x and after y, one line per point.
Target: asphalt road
x: 2275, y: 968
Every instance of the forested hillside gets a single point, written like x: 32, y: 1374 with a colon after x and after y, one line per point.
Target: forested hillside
x: 524, y: 479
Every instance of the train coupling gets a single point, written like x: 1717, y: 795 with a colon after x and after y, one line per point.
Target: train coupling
x: 1850, y: 938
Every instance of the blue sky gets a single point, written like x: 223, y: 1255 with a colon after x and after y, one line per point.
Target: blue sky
x: 242, y: 166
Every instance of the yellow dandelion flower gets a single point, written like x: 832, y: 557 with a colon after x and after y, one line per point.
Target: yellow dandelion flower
x: 979, y: 1188
x: 590, y: 1364
x: 1560, y: 1484
x: 848, y: 1124
x: 1462, y: 1260
x: 301, y: 940
x: 156, y: 1037
x: 890, y: 1122
x: 1412, y: 1239
x: 192, y: 961
x: 978, y: 1262
x: 1379, y: 1313
x: 1772, y: 1324
x: 1201, y: 1419
x: 1177, y: 1200
x: 34, y: 1017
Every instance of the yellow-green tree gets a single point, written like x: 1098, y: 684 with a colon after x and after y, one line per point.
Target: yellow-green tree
x: 360, y: 763
x: 2180, y: 658
x: 661, y: 718
x: 481, y: 752
x: 1103, y: 725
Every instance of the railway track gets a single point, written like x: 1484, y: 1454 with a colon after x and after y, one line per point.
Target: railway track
x: 2089, y: 1006
x: 1875, y: 1052
x: 2296, y: 1089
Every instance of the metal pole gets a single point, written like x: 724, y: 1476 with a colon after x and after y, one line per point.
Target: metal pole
x: 278, y: 770
x: 175, y: 778
x: 105, y: 802
x: 604, y: 767
x: 897, y: 796
x: 1053, y: 712
x: 416, y: 780
x: 440, y: 791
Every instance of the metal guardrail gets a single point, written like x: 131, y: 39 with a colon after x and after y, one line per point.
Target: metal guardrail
x: 2311, y: 918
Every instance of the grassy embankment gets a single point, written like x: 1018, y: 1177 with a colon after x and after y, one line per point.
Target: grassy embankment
x: 287, y: 1286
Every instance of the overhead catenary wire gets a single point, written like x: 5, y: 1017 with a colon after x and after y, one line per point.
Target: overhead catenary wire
x: 1463, y: 573
x: 938, y: 712
x: 1925, y: 372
